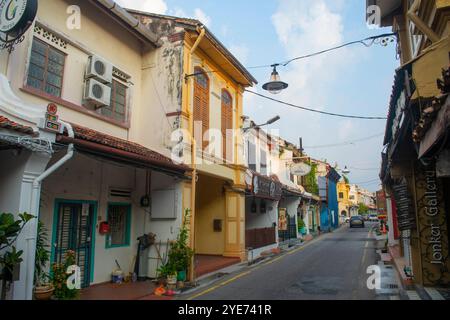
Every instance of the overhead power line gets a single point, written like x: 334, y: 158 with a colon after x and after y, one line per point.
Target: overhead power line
x: 345, y: 143
x: 315, y: 110
x: 367, y: 42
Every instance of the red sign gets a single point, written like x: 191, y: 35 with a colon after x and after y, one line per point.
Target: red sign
x: 52, y: 109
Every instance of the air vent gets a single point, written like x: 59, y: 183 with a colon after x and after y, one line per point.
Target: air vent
x: 99, y: 67
x: 97, y: 90
x: 120, y: 193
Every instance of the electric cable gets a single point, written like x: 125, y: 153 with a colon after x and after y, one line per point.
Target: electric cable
x: 315, y: 110
x: 371, y: 40
x: 345, y: 143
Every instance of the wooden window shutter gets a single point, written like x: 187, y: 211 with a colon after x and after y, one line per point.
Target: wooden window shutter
x: 227, y: 124
x: 201, y: 103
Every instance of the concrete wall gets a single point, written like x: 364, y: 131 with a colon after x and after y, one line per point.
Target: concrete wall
x: 84, y: 178
x: 210, y: 205
x: 98, y: 35
x: 260, y: 220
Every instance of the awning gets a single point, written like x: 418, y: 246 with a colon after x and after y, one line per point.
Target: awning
x: 96, y: 143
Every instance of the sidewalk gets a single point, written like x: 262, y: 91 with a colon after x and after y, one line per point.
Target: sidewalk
x: 409, y: 290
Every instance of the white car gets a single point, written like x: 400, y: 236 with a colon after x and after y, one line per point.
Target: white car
x: 373, y: 218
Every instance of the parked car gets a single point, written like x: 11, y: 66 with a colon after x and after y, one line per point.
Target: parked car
x: 356, y: 221
x: 373, y: 218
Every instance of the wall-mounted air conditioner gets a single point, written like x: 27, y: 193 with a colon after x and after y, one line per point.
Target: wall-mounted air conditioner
x: 97, y: 93
x: 99, y: 69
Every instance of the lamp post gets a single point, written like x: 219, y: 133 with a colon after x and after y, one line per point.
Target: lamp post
x: 269, y: 122
x: 275, y: 85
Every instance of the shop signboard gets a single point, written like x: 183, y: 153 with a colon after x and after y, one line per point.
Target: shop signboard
x: 300, y: 169
x: 16, y: 16
x: 432, y: 227
x: 405, y: 211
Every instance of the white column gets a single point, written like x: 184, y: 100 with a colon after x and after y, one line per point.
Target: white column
x: 35, y: 166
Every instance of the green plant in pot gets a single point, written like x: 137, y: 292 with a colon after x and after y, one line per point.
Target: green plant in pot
x: 179, y: 256
x: 168, y: 273
x: 43, y: 289
x: 301, y: 226
x: 180, y: 253
x: 10, y: 259
x: 60, y: 276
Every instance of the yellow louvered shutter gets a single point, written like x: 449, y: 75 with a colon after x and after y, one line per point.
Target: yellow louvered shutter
x: 227, y: 125
x: 201, y: 103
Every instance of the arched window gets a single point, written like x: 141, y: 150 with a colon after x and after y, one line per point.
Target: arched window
x: 201, y: 103
x: 227, y: 126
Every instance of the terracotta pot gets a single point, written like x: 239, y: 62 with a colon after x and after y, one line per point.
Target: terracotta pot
x: 44, y: 292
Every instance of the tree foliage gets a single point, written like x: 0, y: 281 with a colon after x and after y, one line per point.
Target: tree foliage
x: 311, y: 184
x: 363, y: 209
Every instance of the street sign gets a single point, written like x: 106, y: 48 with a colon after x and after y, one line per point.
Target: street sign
x: 300, y: 169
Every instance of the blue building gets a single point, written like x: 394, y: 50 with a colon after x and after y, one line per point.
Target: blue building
x: 329, y: 211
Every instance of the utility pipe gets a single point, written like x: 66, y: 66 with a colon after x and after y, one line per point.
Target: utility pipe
x: 202, y: 32
x: 421, y: 25
x: 35, y: 201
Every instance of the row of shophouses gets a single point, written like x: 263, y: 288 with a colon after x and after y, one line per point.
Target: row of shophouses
x: 416, y: 159
x: 89, y: 114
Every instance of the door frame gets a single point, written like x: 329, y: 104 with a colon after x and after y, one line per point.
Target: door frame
x: 58, y: 202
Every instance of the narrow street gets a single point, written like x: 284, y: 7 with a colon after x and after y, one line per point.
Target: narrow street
x: 333, y: 267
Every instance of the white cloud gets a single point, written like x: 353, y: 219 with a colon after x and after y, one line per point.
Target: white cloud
x: 153, y: 6
x: 199, y: 14
x: 304, y: 27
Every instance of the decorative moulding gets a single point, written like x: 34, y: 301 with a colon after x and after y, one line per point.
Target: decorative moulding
x: 17, y: 109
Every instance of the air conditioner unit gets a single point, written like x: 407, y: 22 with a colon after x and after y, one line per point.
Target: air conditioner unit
x: 97, y: 93
x: 99, y: 69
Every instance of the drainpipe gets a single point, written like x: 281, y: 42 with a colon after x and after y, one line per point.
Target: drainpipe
x: 421, y: 25
x: 202, y: 32
x: 35, y: 201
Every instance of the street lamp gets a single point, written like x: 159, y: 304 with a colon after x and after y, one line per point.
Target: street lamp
x: 345, y: 171
x: 275, y: 85
x: 269, y: 122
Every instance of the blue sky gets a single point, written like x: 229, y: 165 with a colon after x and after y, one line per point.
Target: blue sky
x: 355, y: 80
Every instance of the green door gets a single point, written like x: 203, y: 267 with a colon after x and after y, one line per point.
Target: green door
x: 74, y: 222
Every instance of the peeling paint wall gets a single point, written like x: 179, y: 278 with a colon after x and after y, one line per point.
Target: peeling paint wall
x: 162, y: 80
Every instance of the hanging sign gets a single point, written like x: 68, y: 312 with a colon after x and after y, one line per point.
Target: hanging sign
x: 282, y: 220
x: 300, y: 169
x: 16, y: 16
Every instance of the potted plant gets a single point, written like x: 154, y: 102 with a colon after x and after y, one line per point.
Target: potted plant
x: 60, y: 276
x: 178, y: 258
x: 43, y: 290
x: 180, y: 253
x: 167, y: 274
x: 301, y: 227
x: 10, y: 258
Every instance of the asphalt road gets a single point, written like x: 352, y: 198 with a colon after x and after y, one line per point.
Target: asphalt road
x: 331, y: 267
